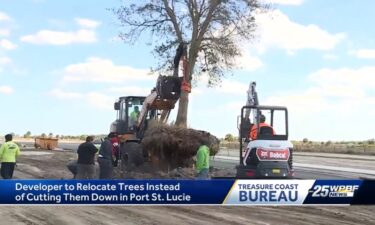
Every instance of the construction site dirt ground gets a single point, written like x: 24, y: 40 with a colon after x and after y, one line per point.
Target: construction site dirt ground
x: 52, y: 165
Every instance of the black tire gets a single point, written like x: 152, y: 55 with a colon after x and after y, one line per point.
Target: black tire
x: 131, y: 154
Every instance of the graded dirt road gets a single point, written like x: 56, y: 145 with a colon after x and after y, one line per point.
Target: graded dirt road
x: 173, y: 215
x: 52, y: 164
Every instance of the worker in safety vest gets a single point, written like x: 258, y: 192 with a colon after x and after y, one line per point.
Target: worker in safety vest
x: 134, y: 116
x: 203, y: 160
x: 262, y: 123
x: 9, y: 151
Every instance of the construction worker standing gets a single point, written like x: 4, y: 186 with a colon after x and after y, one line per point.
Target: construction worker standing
x: 9, y: 151
x: 105, y: 158
x: 86, y: 159
x: 203, y: 160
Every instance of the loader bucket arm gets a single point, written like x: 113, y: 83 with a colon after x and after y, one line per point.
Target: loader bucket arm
x: 167, y: 92
x: 164, y: 97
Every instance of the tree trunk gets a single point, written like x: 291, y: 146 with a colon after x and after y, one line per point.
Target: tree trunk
x: 181, y: 119
x: 183, y: 105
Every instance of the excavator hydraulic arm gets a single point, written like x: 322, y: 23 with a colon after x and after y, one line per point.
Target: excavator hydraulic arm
x: 168, y: 89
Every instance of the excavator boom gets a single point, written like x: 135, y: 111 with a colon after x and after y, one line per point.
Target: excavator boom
x: 157, y: 105
x: 167, y: 91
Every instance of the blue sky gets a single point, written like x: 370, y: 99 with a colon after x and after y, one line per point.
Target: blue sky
x: 62, y: 67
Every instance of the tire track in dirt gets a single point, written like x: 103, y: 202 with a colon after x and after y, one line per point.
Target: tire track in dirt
x: 287, y: 214
x: 103, y: 215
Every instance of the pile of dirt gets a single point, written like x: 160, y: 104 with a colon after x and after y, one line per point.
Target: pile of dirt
x: 174, y: 147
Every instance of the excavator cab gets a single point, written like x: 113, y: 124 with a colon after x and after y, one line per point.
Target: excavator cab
x: 265, y: 151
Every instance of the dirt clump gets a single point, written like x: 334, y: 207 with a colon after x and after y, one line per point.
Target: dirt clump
x: 171, y: 147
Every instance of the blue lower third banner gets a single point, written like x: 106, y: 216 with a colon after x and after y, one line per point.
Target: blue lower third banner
x: 193, y: 192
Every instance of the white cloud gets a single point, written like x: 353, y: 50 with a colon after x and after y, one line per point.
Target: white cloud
x: 290, y: 52
x: 299, y: 102
x: 330, y: 87
x: 100, y: 101
x: 104, y: 70
x: 6, y: 44
x: 277, y: 30
x: 132, y: 90
x: 234, y: 106
x: 336, y: 91
x: 87, y: 23
x: 4, y: 32
x: 365, y: 53
x: 4, y: 17
x: 249, y: 62
x: 285, y: 2
x: 330, y: 57
x: 227, y: 86
x: 6, y: 90
x: 196, y: 91
x: 65, y: 94
x: 48, y: 37
x: 335, y: 98
x: 95, y: 99
x: 5, y: 60
x: 232, y: 87
x: 86, y: 34
x: 362, y: 78
x: 5, y: 20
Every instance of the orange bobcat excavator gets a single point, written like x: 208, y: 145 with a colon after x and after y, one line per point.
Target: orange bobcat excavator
x: 131, y: 123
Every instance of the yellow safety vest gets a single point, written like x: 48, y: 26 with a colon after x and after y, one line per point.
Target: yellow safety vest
x: 9, y: 151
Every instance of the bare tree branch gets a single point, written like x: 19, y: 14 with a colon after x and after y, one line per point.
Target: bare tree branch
x: 172, y: 16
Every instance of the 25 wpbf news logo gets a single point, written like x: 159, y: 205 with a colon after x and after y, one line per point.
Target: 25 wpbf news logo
x: 333, y: 191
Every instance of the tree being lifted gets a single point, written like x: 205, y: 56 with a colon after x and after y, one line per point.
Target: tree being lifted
x: 212, y: 29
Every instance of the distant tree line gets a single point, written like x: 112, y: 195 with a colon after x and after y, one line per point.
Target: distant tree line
x: 28, y: 134
x: 329, y: 142
x: 232, y: 138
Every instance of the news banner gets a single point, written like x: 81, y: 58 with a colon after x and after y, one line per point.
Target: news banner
x: 187, y: 192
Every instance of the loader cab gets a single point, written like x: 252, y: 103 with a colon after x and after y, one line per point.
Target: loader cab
x: 128, y: 109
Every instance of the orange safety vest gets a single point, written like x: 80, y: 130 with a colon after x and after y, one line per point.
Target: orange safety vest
x: 254, y: 131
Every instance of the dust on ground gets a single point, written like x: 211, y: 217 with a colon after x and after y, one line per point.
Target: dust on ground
x: 53, y: 166
x: 147, y: 171
x: 47, y: 164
